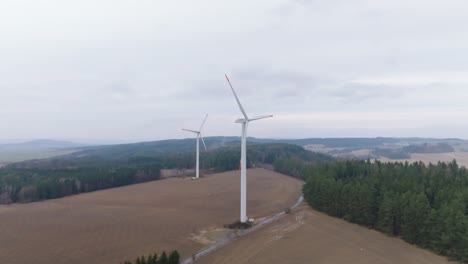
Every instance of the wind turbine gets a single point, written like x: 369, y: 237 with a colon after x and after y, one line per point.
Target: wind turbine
x: 245, y: 123
x: 199, y: 136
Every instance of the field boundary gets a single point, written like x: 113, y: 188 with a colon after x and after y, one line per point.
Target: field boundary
x: 238, y: 234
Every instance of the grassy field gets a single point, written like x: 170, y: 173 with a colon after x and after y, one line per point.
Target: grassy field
x: 307, y: 236
x: 113, y: 225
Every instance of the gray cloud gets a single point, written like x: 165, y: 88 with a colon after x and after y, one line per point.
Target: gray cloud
x: 141, y: 70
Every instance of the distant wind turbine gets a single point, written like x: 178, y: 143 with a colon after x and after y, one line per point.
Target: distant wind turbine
x: 245, y: 122
x: 199, y: 136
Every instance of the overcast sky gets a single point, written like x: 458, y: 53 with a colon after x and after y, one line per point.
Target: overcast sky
x: 141, y: 70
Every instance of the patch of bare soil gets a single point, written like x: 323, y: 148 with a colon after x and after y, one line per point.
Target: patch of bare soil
x: 113, y: 225
x: 211, y: 235
x: 308, y: 236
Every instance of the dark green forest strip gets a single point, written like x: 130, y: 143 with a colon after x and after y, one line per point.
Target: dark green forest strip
x: 37, y: 180
x: 29, y: 185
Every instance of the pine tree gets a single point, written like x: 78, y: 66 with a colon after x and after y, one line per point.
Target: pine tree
x: 143, y: 260
x: 174, y: 257
x: 415, y: 217
x: 153, y: 259
x: 386, y: 215
x: 163, y: 258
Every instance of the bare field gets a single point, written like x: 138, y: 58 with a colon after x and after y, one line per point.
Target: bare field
x: 113, y: 225
x: 308, y: 236
x: 461, y: 157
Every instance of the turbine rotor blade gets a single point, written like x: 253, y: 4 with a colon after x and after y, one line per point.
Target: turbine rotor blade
x: 203, y: 141
x: 193, y: 131
x: 237, y: 98
x: 203, y: 123
x: 260, y: 117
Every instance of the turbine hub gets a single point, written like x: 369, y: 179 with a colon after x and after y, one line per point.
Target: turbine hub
x: 242, y: 120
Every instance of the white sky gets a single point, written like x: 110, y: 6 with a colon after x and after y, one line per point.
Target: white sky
x: 141, y: 70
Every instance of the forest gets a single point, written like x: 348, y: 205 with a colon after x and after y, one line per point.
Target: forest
x: 426, y: 205
x: 29, y: 185
x: 37, y: 180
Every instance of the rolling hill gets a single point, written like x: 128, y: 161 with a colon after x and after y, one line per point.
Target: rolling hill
x: 35, y: 149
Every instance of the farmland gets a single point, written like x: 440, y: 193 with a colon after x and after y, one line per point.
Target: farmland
x: 112, y: 225
x: 308, y: 236
x: 460, y: 157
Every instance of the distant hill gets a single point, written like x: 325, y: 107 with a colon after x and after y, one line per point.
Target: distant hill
x: 429, y: 148
x: 40, y: 144
x: 151, y: 148
x: 35, y: 149
x: 337, y: 147
x: 341, y: 142
x: 332, y: 146
x: 180, y: 145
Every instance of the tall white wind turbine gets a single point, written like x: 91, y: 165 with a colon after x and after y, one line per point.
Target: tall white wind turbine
x: 199, y: 136
x: 245, y: 123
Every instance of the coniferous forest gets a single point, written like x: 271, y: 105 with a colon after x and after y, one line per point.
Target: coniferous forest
x: 426, y: 205
x: 34, y: 184
x: 36, y: 180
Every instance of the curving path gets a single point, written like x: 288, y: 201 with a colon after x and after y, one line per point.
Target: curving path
x: 237, y: 234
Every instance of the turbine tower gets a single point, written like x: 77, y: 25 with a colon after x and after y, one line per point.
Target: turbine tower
x: 199, y: 136
x: 245, y: 123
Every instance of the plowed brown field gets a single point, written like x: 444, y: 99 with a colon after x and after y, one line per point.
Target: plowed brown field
x: 113, y: 225
x: 307, y: 236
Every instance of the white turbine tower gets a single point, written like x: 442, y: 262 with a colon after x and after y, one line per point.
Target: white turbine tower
x: 245, y: 123
x: 199, y: 136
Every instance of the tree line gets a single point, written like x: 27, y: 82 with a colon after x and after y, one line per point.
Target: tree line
x: 173, y: 258
x: 228, y: 158
x: 29, y: 185
x: 426, y: 205
x: 36, y: 180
